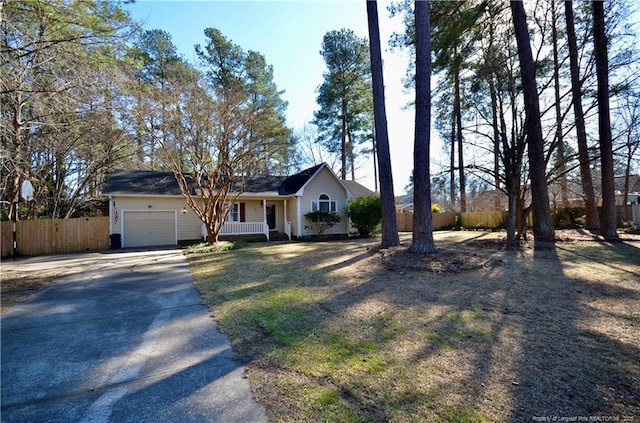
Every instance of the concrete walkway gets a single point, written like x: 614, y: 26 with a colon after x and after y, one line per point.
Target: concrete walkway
x: 123, y: 338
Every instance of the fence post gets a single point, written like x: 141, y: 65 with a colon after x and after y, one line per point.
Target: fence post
x: 15, y: 229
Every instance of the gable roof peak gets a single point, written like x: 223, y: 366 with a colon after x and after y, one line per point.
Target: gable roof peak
x: 292, y: 184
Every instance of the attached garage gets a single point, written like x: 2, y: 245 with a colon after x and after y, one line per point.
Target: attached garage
x: 148, y: 228
x: 147, y: 208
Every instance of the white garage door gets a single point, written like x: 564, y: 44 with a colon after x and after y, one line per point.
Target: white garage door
x: 147, y: 228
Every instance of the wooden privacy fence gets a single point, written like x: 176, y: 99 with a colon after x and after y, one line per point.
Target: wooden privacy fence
x: 440, y: 220
x: 494, y: 219
x: 46, y: 236
x: 448, y: 219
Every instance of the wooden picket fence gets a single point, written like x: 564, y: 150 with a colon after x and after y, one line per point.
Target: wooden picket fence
x: 47, y: 236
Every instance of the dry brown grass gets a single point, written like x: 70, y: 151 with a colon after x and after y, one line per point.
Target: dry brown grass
x: 341, y: 331
x: 18, y: 287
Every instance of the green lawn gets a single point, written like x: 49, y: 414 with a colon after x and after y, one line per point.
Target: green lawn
x: 331, y: 332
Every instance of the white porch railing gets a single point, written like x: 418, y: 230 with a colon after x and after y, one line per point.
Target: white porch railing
x: 241, y: 228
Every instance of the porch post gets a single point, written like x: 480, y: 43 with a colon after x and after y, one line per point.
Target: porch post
x: 264, y: 218
x: 287, y: 226
x: 298, y: 218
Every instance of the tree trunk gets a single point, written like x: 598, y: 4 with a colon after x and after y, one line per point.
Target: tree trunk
x: 632, y: 146
x: 592, y: 219
x: 352, y: 158
x: 609, y: 220
x: 452, y: 162
x: 343, y: 141
x: 543, y: 231
x: 375, y: 152
x: 560, y: 153
x: 381, y: 138
x: 496, y: 132
x: 422, y: 242
x: 512, y: 189
x: 521, y: 218
x: 496, y: 143
x: 457, y: 107
x: 139, y: 128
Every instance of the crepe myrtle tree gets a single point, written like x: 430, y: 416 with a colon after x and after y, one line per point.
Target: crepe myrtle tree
x: 228, y: 124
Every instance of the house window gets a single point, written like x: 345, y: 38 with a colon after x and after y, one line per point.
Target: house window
x: 236, y: 214
x: 324, y: 204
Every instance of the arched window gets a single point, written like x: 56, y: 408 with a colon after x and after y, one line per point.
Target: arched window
x: 324, y: 204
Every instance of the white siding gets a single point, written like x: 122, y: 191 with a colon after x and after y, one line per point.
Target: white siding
x: 325, y: 183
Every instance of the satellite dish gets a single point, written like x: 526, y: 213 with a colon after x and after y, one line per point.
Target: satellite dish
x: 26, y: 190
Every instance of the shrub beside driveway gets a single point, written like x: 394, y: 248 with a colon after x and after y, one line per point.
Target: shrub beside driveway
x: 340, y: 331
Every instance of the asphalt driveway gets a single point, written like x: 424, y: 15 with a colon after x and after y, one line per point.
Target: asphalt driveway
x: 123, y: 338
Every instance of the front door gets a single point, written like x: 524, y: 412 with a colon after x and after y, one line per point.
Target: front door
x: 271, y: 216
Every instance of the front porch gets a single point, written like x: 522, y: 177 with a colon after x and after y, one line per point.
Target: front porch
x: 254, y: 218
x: 244, y: 230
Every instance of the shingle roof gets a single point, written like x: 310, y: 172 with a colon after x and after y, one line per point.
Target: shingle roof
x: 357, y: 189
x: 293, y: 183
x: 141, y: 182
x: 263, y: 184
x: 634, y: 183
x: 150, y: 182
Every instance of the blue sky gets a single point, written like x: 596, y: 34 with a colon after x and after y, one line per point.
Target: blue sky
x: 289, y: 35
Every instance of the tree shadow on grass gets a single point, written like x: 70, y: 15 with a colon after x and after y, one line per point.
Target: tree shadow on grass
x: 507, y: 343
x: 577, y: 360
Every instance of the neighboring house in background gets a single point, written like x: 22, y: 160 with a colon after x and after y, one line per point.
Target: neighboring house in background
x: 404, y: 203
x: 488, y: 201
x: 147, y: 208
x: 575, y: 196
x: 634, y: 189
x: 357, y: 190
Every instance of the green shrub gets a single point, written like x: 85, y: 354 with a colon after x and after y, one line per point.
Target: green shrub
x: 366, y: 214
x: 320, y: 221
x: 220, y: 246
